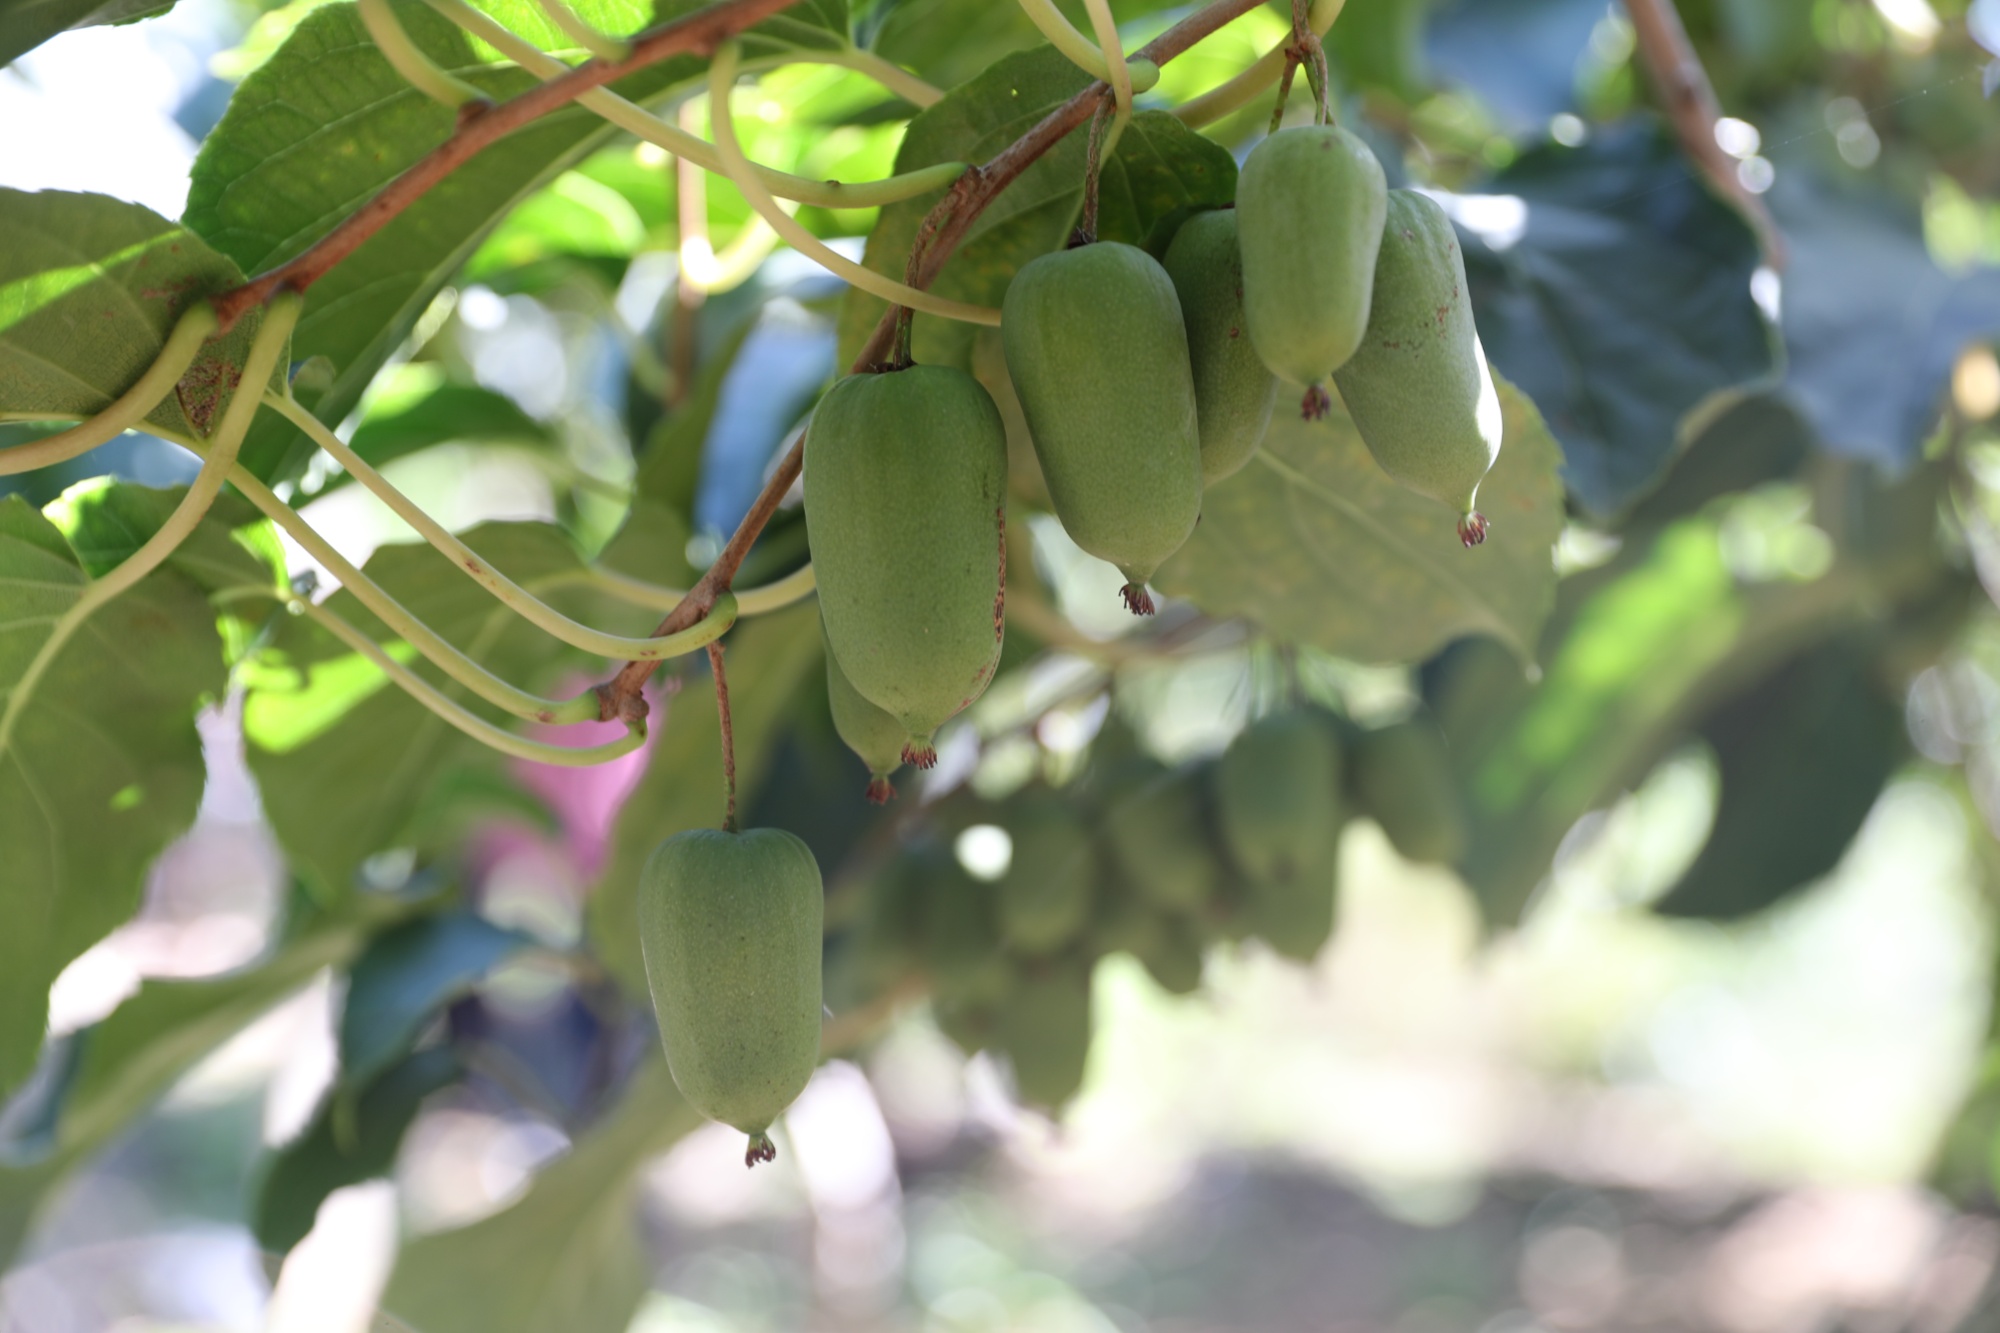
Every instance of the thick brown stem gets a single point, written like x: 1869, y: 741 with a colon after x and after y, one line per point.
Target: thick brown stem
x: 947, y: 223
x: 699, y: 33
x: 1677, y: 73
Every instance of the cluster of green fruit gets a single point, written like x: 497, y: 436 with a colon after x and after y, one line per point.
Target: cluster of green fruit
x: 1140, y: 387
x: 1141, y: 383
x: 1140, y: 859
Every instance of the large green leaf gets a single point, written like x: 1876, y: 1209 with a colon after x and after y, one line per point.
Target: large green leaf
x: 1160, y: 171
x: 100, y: 766
x: 1316, y: 544
x: 1613, y: 287
x: 326, y: 123
x: 769, y: 660
x: 26, y: 24
x: 1801, y: 759
x: 567, y: 1254
x: 90, y: 286
x: 330, y: 1155
x: 402, y: 980
x: 343, y: 758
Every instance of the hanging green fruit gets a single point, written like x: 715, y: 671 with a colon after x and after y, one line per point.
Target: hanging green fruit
x: 1045, y: 896
x: 1309, y: 208
x: 905, y: 499
x: 730, y: 925
x: 1418, y: 388
x: 1099, y: 356
x: 1234, y: 390
x: 868, y: 731
x: 1401, y: 777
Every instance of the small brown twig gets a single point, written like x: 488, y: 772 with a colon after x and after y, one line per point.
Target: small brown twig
x: 728, y: 734
x: 1677, y: 73
x: 1086, y: 227
x: 947, y: 223
x: 699, y: 33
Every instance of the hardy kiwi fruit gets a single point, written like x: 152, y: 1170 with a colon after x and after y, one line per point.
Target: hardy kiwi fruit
x: 730, y: 926
x: 1279, y: 807
x: 1045, y: 896
x: 906, y: 510
x: 1401, y: 777
x: 1418, y: 388
x: 869, y: 732
x: 1309, y: 209
x: 1044, y: 1029
x: 1233, y: 389
x: 1099, y: 356
x: 1158, y: 840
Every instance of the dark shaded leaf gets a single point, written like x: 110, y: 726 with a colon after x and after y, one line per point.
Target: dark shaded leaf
x: 406, y: 975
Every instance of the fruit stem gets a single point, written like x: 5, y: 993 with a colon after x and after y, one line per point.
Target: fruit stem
x: 728, y: 753
x: 600, y: 45
x: 1086, y: 227
x: 410, y: 61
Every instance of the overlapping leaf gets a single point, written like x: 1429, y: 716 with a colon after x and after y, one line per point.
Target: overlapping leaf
x: 1316, y: 544
x: 100, y: 766
x: 90, y: 287
x: 1614, y: 289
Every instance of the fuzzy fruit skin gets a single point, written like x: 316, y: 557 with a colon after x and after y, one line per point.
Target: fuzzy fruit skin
x: 1157, y: 838
x: 730, y: 927
x: 906, y: 509
x: 1401, y: 777
x: 1044, y: 1028
x: 1045, y: 896
x: 1099, y: 356
x: 1279, y: 807
x: 1418, y: 389
x: 1234, y: 391
x: 1309, y: 209
x: 868, y: 731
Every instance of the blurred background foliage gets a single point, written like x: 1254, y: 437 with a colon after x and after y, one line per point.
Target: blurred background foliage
x: 1686, y: 1025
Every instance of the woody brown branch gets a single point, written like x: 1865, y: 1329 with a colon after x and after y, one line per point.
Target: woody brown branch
x: 699, y: 33
x: 1691, y: 105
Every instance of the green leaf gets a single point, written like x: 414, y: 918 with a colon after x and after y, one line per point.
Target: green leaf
x: 1801, y: 758
x: 406, y: 975
x: 26, y: 24
x: 574, y: 216
x: 1161, y: 171
x: 326, y: 123
x: 90, y: 287
x: 1614, y: 289
x: 342, y: 758
x: 323, y: 1159
x: 445, y: 413
x: 567, y: 1254
x: 770, y: 659
x: 1872, y: 325
x: 100, y: 766
x: 1316, y: 544
x: 106, y: 521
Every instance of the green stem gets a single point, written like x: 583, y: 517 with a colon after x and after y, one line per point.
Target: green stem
x: 408, y: 60
x: 486, y: 733
x: 721, y: 78
x: 794, y: 587
x: 507, y: 592
x: 728, y: 736
x: 1086, y: 55
x: 263, y: 358
x: 891, y: 76
x: 129, y: 408
x: 590, y: 39
x: 1252, y: 83
x: 1112, y: 52
x: 636, y: 120
x: 441, y: 652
